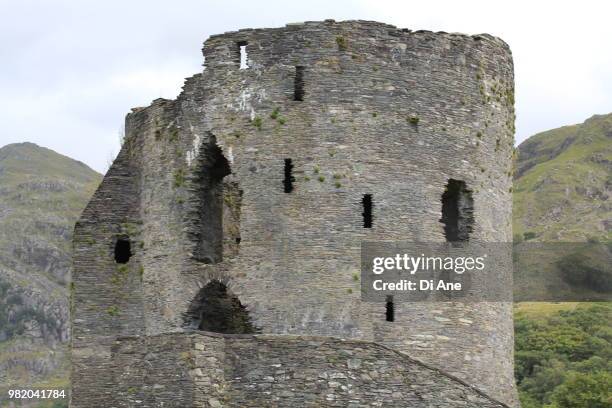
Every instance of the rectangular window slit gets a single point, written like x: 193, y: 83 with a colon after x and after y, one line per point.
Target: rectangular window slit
x: 390, y: 309
x: 242, y: 45
x: 289, y: 179
x: 366, y: 201
x: 298, y: 85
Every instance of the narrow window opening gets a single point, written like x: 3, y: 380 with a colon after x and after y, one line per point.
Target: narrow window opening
x: 123, y: 250
x: 390, y: 309
x: 298, y: 85
x: 242, y: 45
x: 289, y: 179
x: 457, y: 211
x: 367, y: 204
x: 216, y: 309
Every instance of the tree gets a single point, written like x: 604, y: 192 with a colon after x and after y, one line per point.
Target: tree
x: 593, y: 390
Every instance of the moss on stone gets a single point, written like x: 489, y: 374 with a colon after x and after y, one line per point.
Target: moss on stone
x: 179, y: 178
x: 113, y: 311
x: 257, y: 122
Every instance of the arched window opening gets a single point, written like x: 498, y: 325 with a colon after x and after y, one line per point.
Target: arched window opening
x: 457, y: 211
x: 216, y: 309
x: 123, y: 250
x: 212, y: 199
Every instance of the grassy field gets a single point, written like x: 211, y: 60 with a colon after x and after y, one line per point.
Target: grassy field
x: 543, y: 310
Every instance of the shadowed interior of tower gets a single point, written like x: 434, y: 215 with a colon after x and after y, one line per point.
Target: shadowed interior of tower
x: 214, y: 167
x: 215, y: 309
x: 457, y: 211
x: 298, y: 85
x: 390, y: 309
x: 289, y: 179
x: 367, y: 204
x: 123, y: 250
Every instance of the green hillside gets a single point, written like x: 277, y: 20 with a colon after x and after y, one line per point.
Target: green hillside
x: 562, y: 190
x: 563, y: 183
x: 42, y: 194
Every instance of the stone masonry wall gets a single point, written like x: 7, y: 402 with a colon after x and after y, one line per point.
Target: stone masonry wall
x: 106, y: 297
x: 209, y: 370
x: 386, y: 112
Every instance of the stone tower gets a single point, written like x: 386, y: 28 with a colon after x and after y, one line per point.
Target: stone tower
x: 238, y: 209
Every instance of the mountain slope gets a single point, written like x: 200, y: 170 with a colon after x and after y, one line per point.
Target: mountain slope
x: 563, y: 183
x: 562, y: 192
x: 42, y: 194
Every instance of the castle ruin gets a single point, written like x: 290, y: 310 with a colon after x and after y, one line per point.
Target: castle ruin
x: 217, y: 263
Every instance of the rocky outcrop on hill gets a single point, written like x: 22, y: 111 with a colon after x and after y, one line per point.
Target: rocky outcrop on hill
x: 41, y: 195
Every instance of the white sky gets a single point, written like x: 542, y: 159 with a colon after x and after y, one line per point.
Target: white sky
x: 71, y: 70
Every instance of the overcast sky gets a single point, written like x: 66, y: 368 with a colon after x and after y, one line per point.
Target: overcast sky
x: 71, y: 70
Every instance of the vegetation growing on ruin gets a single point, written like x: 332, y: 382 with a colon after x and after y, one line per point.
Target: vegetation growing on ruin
x: 113, y: 311
x: 257, y: 122
x: 179, y: 178
x: 280, y: 120
x: 120, y: 275
x: 173, y: 137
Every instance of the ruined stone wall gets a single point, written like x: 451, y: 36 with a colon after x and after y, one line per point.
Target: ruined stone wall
x: 208, y: 370
x: 106, y: 297
x: 386, y: 112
